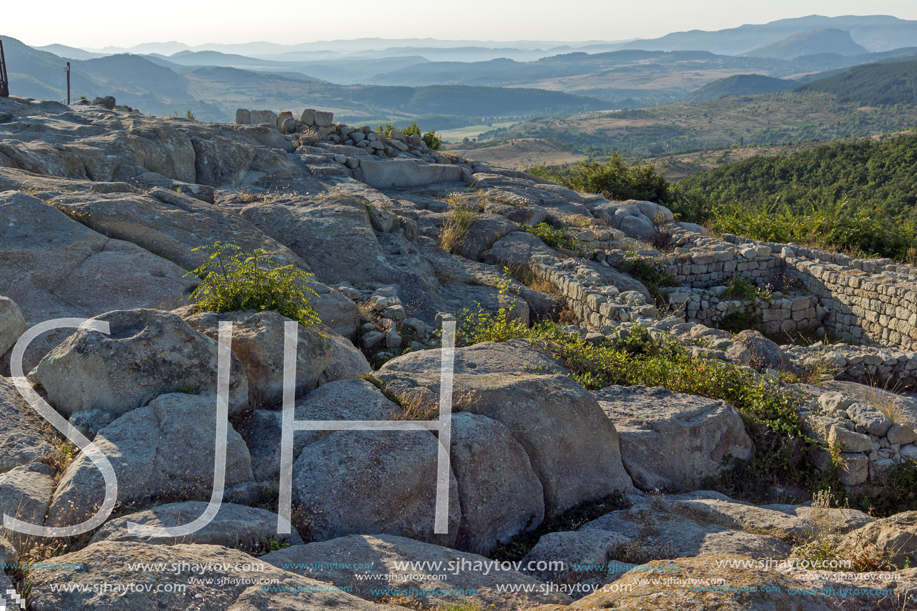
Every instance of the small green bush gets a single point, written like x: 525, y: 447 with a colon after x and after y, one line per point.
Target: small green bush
x: 651, y: 274
x: 430, y: 138
x: 556, y: 237
x: 235, y: 281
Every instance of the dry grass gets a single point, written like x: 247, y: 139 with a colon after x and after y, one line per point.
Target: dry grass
x: 462, y: 215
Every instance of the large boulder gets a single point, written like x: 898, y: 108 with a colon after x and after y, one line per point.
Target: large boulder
x: 365, y: 562
x: 258, y: 341
x: 373, y: 482
x: 220, y: 162
x: 346, y: 362
x: 500, y: 494
x: 25, y: 494
x: 765, y: 354
x: 165, y: 448
x: 234, y: 526
x: 516, y: 249
x: 24, y: 436
x: 55, y: 267
x: 199, y: 578
x: 572, y: 445
x: 146, y: 353
x: 12, y: 324
x: 670, y: 440
x: 340, y: 400
x: 400, y: 173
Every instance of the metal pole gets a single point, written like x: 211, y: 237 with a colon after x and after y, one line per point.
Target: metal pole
x: 67, y: 70
x: 4, y: 77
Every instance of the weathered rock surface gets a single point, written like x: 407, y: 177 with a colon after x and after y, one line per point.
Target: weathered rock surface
x: 25, y: 493
x: 765, y: 354
x: 500, y: 494
x: 574, y: 549
x: 346, y: 362
x: 55, y: 267
x: 147, y: 352
x: 165, y: 448
x: 235, y: 586
x: 572, y: 445
x: 709, y: 582
x: 410, y: 173
x: 333, y: 563
x: 234, y: 526
x: 333, y: 235
x: 671, y: 440
x: 258, y: 341
x: 12, y: 324
x: 24, y: 436
x: 340, y: 400
x: 373, y: 482
x: 894, y: 538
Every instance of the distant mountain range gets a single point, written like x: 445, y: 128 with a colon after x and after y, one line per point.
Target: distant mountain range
x: 876, y: 33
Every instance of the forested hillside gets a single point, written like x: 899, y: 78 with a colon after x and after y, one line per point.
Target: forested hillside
x: 871, y: 85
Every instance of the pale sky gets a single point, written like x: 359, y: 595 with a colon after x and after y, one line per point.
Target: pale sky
x: 125, y: 24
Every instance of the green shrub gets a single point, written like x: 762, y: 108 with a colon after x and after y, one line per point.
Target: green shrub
x: 612, y: 179
x: 430, y: 138
x: 557, y: 237
x: 651, y: 274
x: 235, y: 281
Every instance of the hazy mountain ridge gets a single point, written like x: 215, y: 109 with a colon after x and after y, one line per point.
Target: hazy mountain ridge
x: 832, y: 41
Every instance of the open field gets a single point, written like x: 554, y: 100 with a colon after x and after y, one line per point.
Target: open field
x: 470, y: 131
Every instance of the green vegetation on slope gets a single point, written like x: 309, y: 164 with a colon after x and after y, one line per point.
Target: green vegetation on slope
x: 740, y: 84
x: 871, y: 85
x: 857, y: 196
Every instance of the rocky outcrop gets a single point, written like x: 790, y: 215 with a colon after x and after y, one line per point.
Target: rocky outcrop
x: 671, y: 440
x: 12, y: 324
x: 145, y: 353
x: 55, y: 267
x: 340, y: 400
x: 25, y: 494
x: 499, y: 493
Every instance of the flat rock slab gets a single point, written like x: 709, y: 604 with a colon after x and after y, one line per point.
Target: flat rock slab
x: 402, y: 173
x: 345, y: 560
x: 234, y: 526
x: 55, y: 267
x: 199, y: 578
x: 671, y: 440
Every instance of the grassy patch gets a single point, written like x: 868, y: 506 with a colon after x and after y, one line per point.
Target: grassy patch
x: 651, y: 274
